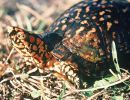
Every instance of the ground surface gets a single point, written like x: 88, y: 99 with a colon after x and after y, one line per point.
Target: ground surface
x: 20, y: 81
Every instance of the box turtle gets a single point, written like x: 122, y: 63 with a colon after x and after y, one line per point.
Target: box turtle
x: 78, y: 44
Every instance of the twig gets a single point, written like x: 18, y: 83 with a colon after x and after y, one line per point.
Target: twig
x: 101, y: 87
x: 113, y: 73
x: 42, y: 89
x: 4, y: 80
x: 125, y: 70
x: 95, y: 95
x: 9, y: 55
x: 32, y: 70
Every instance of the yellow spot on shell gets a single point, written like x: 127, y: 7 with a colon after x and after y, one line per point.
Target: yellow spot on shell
x: 84, y: 5
x: 108, y: 10
x: 84, y: 22
x: 56, y: 28
x: 101, y: 52
x: 109, y: 16
x: 78, y: 13
x: 63, y: 21
x: 80, y: 29
x: 102, y: 12
x: 64, y: 27
x: 94, y: 17
x: 91, y: 31
x: 87, y: 9
x: 101, y: 19
x: 109, y: 24
x: 103, y: 2
x: 95, y: 0
x: 84, y: 16
x: 94, y: 3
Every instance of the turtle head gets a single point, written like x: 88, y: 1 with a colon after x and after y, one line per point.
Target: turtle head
x: 17, y: 36
x: 29, y: 45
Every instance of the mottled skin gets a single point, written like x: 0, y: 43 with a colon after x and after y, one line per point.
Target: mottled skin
x: 81, y: 39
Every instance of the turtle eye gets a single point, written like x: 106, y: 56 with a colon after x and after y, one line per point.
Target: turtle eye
x: 21, y: 35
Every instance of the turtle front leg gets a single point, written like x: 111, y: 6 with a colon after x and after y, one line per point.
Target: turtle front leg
x: 68, y: 72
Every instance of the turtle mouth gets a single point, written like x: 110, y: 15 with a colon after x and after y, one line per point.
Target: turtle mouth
x: 12, y: 34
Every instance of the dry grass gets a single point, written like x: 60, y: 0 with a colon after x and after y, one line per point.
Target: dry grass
x: 20, y: 80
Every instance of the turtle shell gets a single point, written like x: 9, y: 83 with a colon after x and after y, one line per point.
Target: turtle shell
x: 84, y: 33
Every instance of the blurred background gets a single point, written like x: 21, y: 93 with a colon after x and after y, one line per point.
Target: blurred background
x: 31, y: 15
